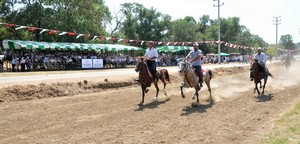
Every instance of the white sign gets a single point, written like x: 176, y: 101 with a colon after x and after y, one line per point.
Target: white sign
x: 97, y: 63
x: 86, y: 63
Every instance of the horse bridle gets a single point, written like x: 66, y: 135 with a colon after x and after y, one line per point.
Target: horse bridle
x: 185, y: 68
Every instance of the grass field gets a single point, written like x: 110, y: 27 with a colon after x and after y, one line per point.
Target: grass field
x: 287, y: 128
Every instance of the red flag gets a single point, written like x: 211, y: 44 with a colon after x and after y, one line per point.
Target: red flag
x: 32, y: 28
x: 126, y: 40
x: 51, y: 32
x: 10, y: 25
x: 101, y: 37
x: 71, y: 34
x: 137, y: 41
x: 114, y: 39
x: 87, y: 35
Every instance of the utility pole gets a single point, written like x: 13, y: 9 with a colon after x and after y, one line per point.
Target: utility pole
x: 276, y: 22
x: 219, y: 33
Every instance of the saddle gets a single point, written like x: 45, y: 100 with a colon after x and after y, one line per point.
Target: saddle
x: 202, y: 71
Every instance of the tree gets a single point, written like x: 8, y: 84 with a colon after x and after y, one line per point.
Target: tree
x: 183, y: 31
x: 287, y: 42
x: 65, y: 15
x: 144, y: 24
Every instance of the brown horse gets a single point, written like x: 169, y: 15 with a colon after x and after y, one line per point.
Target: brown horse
x: 146, y: 79
x: 190, y: 79
x: 258, y: 76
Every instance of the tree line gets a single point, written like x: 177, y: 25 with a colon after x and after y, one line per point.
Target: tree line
x: 131, y: 21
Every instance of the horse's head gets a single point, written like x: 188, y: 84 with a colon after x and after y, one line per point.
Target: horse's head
x: 183, y: 66
x: 140, y: 65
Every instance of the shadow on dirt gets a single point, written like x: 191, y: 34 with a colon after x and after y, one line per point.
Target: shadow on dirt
x: 264, y: 98
x: 152, y: 105
x: 195, y: 109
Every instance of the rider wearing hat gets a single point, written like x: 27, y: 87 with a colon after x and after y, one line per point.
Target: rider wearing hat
x: 195, y: 56
x: 151, y: 56
x: 261, y: 59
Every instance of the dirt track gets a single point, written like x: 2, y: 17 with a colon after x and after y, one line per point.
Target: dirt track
x: 112, y: 115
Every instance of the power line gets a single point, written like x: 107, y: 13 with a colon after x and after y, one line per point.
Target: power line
x: 219, y: 41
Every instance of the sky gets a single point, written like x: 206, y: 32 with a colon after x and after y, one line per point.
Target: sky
x: 256, y: 15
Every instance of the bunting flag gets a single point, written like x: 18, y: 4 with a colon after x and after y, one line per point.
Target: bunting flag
x: 51, y: 32
x: 80, y: 35
x: 71, y: 34
x: 21, y: 27
x: 44, y: 30
x: 137, y: 42
x: 32, y: 28
x: 10, y: 25
x: 94, y: 38
x: 62, y: 33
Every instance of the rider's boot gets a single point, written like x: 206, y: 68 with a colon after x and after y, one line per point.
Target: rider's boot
x: 201, y: 81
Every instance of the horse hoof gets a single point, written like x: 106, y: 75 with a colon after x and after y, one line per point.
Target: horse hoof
x: 183, y: 96
x: 140, y: 104
x: 146, y: 90
x: 154, y: 99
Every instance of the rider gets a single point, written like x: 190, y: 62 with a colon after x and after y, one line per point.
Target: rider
x: 261, y: 59
x: 151, y: 58
x: 195, y: 55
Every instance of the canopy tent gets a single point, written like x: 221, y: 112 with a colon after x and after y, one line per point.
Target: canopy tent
x: 223, y: 54
x: 172, y: 48
x: 18, y: 44
x: 235, y: 54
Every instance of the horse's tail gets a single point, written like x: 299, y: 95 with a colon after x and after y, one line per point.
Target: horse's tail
x: 210, y: 74
x: 167, y: 76
x: 269, y: 74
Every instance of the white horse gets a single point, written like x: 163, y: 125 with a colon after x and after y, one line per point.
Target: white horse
x: 191, y: 79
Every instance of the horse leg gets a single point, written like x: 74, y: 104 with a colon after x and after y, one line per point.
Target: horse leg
x: 182, y: 95
x: 165, y: 92
x: 257, y: 89
x: 197, y: 94
x: 157, y: 90
x: 207, y: 82
x: 260, y: 85
x: 265, y: 81
x: 143, y: 95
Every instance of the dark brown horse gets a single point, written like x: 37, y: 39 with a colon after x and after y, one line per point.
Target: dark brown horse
x: 146, y: 79
x: 258, y: 76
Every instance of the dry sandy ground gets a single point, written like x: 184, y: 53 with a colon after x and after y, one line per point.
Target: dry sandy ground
x: 102, y: 113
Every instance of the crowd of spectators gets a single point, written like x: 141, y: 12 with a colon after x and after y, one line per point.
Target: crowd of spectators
x: 53, y: 60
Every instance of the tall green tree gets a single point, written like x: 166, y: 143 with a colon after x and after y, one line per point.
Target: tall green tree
x: 65, y: 15
x: 287, y: 42
x: 143, y: 23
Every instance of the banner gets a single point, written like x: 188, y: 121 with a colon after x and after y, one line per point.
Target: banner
x: 86, y: 63
x: 91, y: 63
x: 97, y: 63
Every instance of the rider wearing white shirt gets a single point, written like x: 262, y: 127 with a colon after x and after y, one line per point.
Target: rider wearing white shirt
x: 195, y: 56
x: 261, y: 59
x: 151, y: 58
